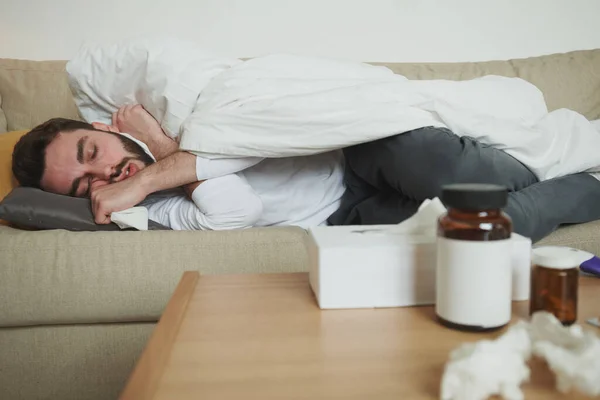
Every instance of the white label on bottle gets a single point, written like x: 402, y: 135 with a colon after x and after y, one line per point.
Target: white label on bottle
x: 473, y: 282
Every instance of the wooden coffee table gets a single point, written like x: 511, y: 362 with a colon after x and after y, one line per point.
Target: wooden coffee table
x: 264, y: 337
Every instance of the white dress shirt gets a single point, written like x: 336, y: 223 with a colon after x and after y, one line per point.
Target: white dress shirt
x: 300, y: 191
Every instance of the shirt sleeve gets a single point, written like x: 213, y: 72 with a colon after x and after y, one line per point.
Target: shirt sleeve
x: 214, y: 168
x: 222, y: 203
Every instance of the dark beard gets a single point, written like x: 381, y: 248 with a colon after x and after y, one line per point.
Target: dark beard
x: 136, y: 151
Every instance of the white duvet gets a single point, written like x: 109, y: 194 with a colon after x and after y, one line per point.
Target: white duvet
x: 284, y: 105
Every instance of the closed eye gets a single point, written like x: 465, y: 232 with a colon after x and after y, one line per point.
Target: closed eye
x: 94, y: 152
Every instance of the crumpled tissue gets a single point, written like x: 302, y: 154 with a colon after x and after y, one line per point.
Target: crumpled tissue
x: 571, y: 353
x: 135, y: 217
x: 478, y: 370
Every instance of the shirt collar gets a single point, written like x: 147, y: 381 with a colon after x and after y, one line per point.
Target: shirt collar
x: 140, y: 143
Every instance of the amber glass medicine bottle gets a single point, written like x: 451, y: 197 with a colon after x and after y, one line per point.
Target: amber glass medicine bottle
x: 555, y: 282
x: 474, y: 275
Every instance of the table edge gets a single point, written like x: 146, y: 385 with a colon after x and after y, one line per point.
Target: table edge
x: 143, y: 382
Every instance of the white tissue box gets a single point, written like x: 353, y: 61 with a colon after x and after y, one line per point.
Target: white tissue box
x: 382, y: 266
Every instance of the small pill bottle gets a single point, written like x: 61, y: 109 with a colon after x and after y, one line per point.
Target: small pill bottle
x: 474, y: 272
x: 555, y: 282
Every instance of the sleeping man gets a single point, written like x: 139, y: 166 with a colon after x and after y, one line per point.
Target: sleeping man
x: 378, y: 182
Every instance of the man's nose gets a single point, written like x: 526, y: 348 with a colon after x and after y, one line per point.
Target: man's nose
x: 103, y: 172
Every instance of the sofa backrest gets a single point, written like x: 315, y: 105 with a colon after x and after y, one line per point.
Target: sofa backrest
x: 33, y: 91
x: 568, y: 80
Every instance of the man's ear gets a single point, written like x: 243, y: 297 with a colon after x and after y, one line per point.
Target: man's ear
x: 104, y: 127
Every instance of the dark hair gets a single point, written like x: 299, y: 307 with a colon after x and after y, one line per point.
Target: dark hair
x: 29, y: 154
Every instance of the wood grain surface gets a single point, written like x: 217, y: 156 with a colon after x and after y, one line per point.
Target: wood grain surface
x: 264, y: 337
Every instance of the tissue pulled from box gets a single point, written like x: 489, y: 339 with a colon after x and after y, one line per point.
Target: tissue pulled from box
x: 135, y: 217
x: 424, y: 221
x: 478, y: 370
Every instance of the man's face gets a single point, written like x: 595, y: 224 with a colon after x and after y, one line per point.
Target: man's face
x: 79, y: 161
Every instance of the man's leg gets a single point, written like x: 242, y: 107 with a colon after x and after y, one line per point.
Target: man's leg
x: 364, y: 204
x: 541, y: 208
x: 418, y: 163
x: 378, y: 208
x: 389, y: 178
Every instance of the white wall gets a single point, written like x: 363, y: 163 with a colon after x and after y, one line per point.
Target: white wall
x: 368, y: 30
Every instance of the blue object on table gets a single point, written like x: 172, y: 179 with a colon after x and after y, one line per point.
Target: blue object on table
x: 591, y: 266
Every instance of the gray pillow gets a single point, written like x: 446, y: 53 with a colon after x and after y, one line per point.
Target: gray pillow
x: 34, y: 208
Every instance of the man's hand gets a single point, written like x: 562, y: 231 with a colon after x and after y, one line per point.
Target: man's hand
x: 116, y: 197
x: 136, y: 121
x: 174, y: 171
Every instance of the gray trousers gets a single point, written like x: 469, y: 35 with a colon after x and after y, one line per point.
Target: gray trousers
x: 386, y: 181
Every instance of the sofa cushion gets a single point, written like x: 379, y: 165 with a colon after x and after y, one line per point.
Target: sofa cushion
x: 54, y: 277
x: 568, y: 80
x: 33, y: 92
x: 57, y: 277
x: 583, y: 236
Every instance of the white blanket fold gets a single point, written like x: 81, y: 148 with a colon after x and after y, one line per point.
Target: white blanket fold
x: 284, y: 105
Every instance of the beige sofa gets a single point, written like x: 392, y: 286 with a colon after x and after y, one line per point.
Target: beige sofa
x: 77, y: 308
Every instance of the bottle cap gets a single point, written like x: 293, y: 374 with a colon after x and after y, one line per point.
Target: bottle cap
x: 474, y: 196
x: 556, y: 257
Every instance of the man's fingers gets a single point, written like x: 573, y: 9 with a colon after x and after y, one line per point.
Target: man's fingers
x: 128, y: 109
x: 103, y: 219
x: 100, y: 215
x: 121, y: 114
x: 137, y: 108
x: 125, y: 112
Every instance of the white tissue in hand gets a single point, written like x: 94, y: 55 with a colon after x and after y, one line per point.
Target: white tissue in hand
x: 135, y: 217
x: 485, y: 368
x: 573, y: 355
